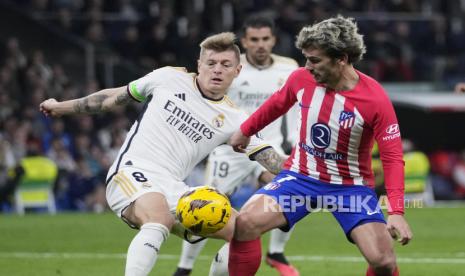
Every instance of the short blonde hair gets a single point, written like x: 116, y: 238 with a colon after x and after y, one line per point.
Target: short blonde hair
x: 337, y: 36
x: 220, y: 43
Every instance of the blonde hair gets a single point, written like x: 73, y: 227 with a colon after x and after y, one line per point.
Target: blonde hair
x: 337, y: 36
x: 220, y: 43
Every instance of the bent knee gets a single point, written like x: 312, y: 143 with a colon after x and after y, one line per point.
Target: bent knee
x: 383, y: 261
x: 247, y: 227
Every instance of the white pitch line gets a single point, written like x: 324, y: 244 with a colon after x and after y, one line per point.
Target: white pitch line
x: 300, y: 258
x: 351, y: 259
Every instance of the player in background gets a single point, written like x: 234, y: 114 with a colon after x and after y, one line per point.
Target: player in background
x: 342, y: 112
x: 184, y: 119
x: 262, y: 73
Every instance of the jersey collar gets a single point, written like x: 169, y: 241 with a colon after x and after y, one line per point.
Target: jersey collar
x: 203, y: 94
x: 258, y: 67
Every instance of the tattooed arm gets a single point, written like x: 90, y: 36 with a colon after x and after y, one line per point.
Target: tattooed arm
x: 271, y: 160
x: 103, y: 100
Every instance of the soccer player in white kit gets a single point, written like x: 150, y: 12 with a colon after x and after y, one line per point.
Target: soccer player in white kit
x: 184, y: 119
x: 262, y: 73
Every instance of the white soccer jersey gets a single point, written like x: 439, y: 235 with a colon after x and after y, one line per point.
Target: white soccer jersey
x: 178, y: 127
x: 254, y: 86
x: 226, y: 169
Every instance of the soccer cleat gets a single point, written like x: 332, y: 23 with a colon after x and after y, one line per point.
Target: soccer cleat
x: 279, y: 262
x: 182, y: 272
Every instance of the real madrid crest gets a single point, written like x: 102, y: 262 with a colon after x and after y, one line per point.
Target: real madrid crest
x: 218, y: 121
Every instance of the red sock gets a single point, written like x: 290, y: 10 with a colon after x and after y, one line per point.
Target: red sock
x: 244, y: 257
x: 371, y: 272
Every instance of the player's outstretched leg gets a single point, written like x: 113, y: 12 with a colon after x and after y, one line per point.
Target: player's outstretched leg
x: 151, y: 214
x: 189, y: 253
x: 375, y: 243
x: 219, y: 266
x: 275, y: 256
x: 261, y: 213
x: 144, y: 248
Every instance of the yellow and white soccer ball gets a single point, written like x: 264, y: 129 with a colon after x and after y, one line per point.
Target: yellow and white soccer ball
x: 203, y: 210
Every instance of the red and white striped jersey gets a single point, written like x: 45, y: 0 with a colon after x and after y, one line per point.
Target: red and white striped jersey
x: 337, y: 131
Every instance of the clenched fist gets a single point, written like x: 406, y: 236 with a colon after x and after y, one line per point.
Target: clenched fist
x: 50, y: 108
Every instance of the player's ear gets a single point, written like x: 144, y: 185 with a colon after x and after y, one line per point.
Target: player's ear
x: 238, y: 69
x: 343, y: 60
x: 273, y: 40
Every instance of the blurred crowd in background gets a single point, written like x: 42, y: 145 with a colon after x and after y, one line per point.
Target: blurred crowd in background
x: 407, y: 41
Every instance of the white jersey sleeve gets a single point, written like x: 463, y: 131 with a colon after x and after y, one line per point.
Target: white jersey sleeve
x: 255, y: 146
x: 143, y: 87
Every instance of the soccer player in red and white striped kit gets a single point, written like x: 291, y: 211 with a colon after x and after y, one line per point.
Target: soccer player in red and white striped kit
x: 342, y: 113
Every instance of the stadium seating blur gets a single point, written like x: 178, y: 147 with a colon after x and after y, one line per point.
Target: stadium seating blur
x: 69, y: 48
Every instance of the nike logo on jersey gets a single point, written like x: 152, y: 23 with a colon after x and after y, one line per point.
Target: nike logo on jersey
x: 182, y: 96
x: 370, y: 213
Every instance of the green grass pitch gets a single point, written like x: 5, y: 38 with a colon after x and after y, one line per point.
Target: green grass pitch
x: 90, y: 244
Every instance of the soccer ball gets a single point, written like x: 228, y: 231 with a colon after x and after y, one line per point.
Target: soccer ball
x: 203, y: 210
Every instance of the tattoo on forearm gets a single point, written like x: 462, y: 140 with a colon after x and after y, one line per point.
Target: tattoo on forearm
x: 123, y: 99
x: 271, y: 160
x: 95, y: 103
x: 90, y: 104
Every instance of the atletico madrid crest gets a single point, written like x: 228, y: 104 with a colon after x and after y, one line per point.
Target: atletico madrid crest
x: 346, y: 119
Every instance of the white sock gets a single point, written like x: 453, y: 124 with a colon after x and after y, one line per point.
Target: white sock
x: 189, y: 253
x: 143, y: 250
x: 278, y: 240
x: 219, y: 266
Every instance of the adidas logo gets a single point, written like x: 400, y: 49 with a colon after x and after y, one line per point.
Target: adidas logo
x: 182, y: 96
x: 245, y: 83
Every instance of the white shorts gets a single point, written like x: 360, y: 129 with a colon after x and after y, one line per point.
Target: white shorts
x: 130, y: 183
x: 227, y: 170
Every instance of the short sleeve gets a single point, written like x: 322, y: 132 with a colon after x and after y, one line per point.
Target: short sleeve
x: 142, y: 88
x: 256, y: 146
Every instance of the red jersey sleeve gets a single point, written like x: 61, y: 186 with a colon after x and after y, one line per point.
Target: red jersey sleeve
x: 387, y: 134
x: 278, y: 104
